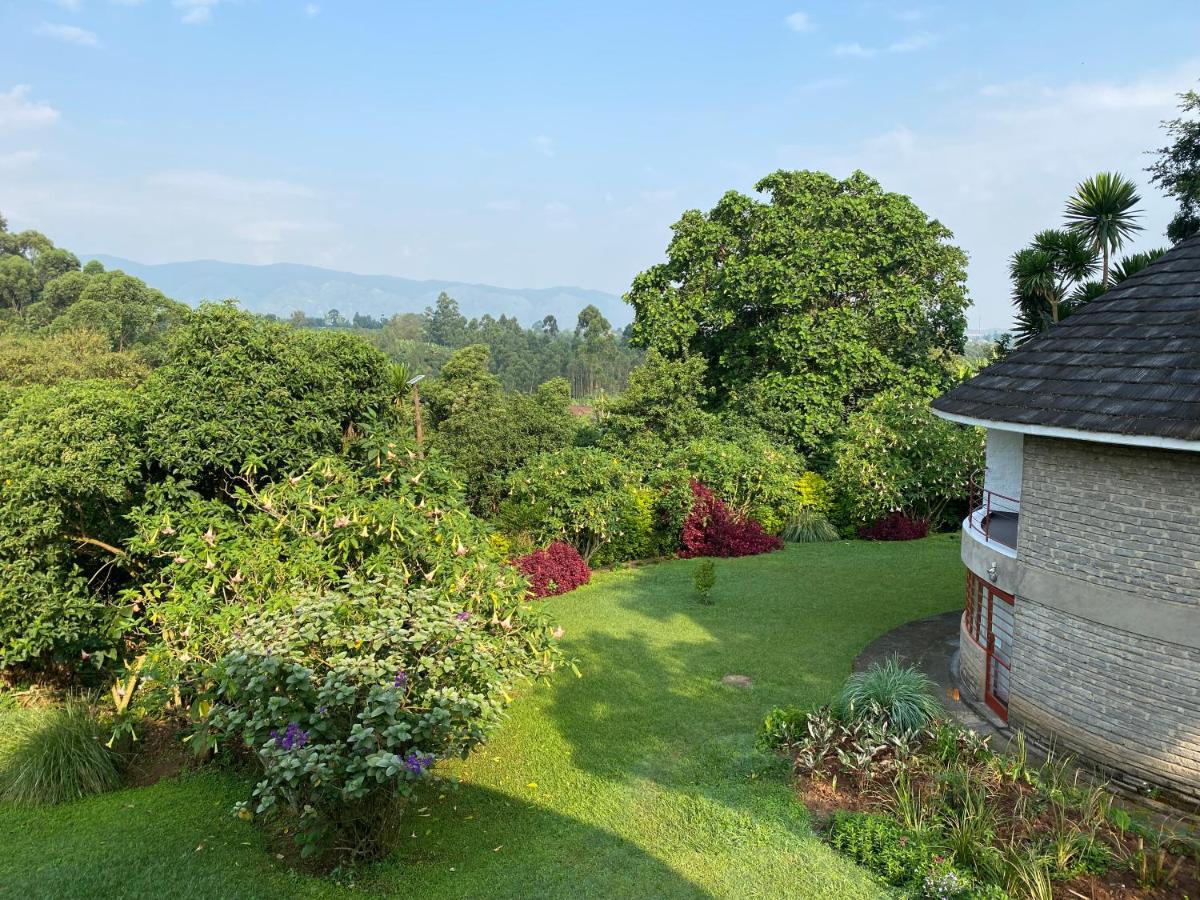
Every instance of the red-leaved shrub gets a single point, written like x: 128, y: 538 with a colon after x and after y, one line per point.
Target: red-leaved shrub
x: 895, y: 526
x: 555, y: 570
x: 713, y: 529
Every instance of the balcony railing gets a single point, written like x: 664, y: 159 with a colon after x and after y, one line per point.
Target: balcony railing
x: 993, y: 515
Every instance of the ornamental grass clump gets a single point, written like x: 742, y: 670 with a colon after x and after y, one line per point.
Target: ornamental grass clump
x: 901, y: 696
x: 54, y: 754
x: 809, y: 527
x: 350, y: 697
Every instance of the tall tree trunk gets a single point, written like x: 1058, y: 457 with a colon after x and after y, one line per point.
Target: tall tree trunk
x: 1104, y: 275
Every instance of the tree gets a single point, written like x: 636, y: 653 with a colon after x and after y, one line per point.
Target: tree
x: 1177, y: 170
x: 803, y: 303
x: 663, y: 406
x: 1102, y: 210
x: 444, y: 324
x: 1044, y: 273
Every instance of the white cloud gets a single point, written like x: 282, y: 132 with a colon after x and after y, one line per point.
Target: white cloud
x: 68, y: 34
x: 855, y: 50
x: 543, y: 145
x: 17, y: 111
x: 195, y: 12
x: 217, y: 185
x: 799, y: 21
x: 1004, y: 161
x: 19, y: 158
x: 274, y: 231
x: 311, y: 10
x: 918, y: 41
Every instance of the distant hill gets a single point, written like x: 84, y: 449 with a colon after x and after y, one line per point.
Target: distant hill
x: 284, y: 287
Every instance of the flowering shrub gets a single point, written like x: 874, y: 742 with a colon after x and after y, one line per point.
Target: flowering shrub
x: 895, y: 526
x: 351, y: 695
x: 712, y: 529
x: 555, y: 570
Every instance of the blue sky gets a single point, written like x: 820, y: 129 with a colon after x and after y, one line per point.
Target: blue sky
x: 533, y: 144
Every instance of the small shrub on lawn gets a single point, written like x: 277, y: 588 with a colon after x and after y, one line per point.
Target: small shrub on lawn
x: 712, y: 529
x: 704, y: 579
x: 889, y: 692
x: 54, y: 754
x: 783, y: 727
x: 351, y: 695
x: 895, y: 526
x: 809, y: 527
x: 554, y: 570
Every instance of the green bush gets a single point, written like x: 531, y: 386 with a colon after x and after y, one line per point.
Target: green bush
x: 704, y: 579
x: 212, y: 562
x: 588, y: 497
x: 897, y: 455
x: 54, y: 754
x: 351, y: 695
x: 881, y: 844
x: 751, y: 475
x: 71, y: 468
x: 900, y: 696
x: 809, y: 527
x: 782, y: 728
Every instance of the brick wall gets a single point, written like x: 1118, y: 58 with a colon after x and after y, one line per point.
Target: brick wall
x: 1122, y: 517
x: 1130, y: 702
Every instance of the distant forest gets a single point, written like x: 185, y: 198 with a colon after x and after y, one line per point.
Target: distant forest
x: 593, y: 357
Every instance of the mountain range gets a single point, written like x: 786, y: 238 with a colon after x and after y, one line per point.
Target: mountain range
x: 282, y: 288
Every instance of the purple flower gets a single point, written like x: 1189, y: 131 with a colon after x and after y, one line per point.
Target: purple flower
x: 418, y: 763
x: 463, y: 616
x: 400, y: 680
x: 293, y: 738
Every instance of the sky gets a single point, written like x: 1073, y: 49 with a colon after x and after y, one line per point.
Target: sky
x: 532, y: 144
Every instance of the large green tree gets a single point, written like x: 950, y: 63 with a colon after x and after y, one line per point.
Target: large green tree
x: 1177, y: 170
x: 806, y: 301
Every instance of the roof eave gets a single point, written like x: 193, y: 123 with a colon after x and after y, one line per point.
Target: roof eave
x: 1074, y: 434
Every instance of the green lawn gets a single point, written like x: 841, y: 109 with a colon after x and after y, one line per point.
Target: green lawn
x: 638, y: 779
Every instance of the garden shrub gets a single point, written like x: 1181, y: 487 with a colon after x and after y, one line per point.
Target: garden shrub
x: 756, y: 478
x: 71, y: 468
x: 901, y: 696
x: 883, y: 845
x: 554, y: 570
x: 704, y: 579
x: 782, y: 727
x: 712, y: 529
x: 590, y: 498
x: 212, y: 562
x: 350, y: 695
x: 809, y: 527
x: 815, y: 493
x: 896, y: 454
x: 895, y: 526
x: 54, y: 754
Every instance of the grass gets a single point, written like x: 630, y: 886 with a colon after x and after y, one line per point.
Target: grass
x: 638, y: 779
x: 54, y: 754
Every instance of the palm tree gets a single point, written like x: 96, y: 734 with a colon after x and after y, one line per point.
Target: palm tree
x: 1102, y: 210
x: 1044, y: 272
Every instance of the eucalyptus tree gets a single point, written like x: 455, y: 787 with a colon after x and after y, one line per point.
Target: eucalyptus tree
x: 1103, y: 210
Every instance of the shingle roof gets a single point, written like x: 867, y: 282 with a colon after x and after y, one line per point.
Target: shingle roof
x: 1128, y: 363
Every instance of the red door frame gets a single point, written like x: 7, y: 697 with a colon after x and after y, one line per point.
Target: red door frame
x: 998, y: 706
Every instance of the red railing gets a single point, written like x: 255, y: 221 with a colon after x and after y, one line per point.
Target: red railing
x: 993, y: 515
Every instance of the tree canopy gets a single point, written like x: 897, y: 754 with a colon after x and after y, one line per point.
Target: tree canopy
x: 1177, y: 170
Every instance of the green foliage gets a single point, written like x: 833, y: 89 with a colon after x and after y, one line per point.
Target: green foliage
x: 750, y: 474
x: 901, y: 696
x: 704, y: 579
x: 214, y: 561
x: 881, y: 845
x: 592, y: 499
x: 896, y: 455
x: 808, y: 527
x: 1102, y: 210
x: 350, y: 696
x: 802, y: 304
x: 663, y: 407
x: 71, y: 468
x: 1177, y: 169
x: 782, y: 728
x: 54, y: 754
x: 238, y: 395
x: 488, y: 432
x: 815, y: 493
x: 69, y: 356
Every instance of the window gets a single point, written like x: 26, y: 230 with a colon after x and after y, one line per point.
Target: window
x: 980, y: 596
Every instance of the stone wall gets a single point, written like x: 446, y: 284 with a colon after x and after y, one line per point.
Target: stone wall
x: 1119, y: 517
x: 1131, y: 703
x: 971, y: 661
